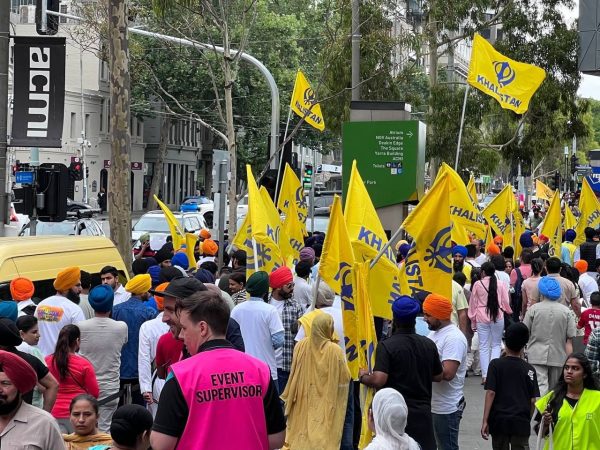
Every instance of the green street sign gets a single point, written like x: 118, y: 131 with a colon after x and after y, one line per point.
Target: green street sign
x: 390, y: 157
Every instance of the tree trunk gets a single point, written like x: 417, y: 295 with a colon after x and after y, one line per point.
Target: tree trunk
x: 119, y: 194
x: 160, y: 160
x: 432, y: 44
x: 229, y: 77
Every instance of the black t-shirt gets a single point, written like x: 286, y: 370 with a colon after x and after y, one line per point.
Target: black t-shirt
x: 515, y: 383
x: 40, y: 369
x: 411, y: 361
x: 173, y: 410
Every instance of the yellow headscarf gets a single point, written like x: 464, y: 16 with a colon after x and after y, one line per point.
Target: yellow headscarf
x: 140, y: 284
x: 317, y: 392
x: 76, y: 442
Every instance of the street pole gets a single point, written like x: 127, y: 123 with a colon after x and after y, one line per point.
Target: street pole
x: 83, y: 130
x: 355, y: 50
x: 4, y: 49
x: 312, y: 193
x: 34, y: 162
x: 222, y: 207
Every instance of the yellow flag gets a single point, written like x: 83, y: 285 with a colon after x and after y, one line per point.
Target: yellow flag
x: 292, y: 192
x: 510, y: 82
x: 552, y: 227
x: 176, y: 231
x: 303, y: 98
x: 466, y: 217
x: 472, y: 190
x: 190, y: 244
x: 519, y: 226
x: 265, y: 228
x: 368, y: 238
x: 428, y: 265
x: 335, y: 268
x: 292, y: 227
x: 570, y: 220
x: 499, y: 212
x: 589, y: 207
x: 542, y: 191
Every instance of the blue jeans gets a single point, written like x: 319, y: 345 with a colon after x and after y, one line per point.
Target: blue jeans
x: 282, y: 379
x: 445, y: 428
x: 348, y: 430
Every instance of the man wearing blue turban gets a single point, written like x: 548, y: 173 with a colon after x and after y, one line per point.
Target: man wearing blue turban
x: 408, y: 363
x: 459, y: 253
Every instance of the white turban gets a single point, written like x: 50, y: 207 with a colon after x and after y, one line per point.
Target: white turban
x: 390, y: 414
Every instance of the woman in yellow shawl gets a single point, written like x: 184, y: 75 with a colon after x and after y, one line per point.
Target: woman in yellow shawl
x: 317, y: 391
x: 84, y: 418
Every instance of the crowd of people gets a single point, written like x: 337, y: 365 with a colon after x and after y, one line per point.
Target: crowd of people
x: 206, y: 357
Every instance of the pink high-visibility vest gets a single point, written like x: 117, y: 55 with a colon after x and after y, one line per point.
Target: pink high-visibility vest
x: 224, y: 390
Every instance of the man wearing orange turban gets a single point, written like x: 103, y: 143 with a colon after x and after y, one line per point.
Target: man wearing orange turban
x: 208, y: 250
x: 34, y: 428
x: 59, y: 310
x: 447, y: 400
x: 21, y: 291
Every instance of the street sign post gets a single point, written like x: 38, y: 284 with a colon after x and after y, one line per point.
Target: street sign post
x: 24, y: 177
x: 390, y: 157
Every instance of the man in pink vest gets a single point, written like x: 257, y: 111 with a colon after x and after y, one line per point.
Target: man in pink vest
x: 216, y: 389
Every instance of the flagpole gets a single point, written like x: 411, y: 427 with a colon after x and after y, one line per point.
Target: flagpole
x: 313, y: 303
x: 462, y: 123
x: 287, y: 124
x: 255, y: 254
x: 385, y: 247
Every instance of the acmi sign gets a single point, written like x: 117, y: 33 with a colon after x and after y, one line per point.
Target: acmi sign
x: 39, y: 91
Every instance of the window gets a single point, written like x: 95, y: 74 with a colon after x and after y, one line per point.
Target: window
x: 102, y: 105
x: 87, y: 124
x: 73, y: 125
x: 64, y: 10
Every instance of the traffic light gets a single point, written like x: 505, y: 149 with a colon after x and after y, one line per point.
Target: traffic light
x: 556, y: 181
x: 87, y: 172
x: 574, y: 163
x: 51, y: 21
x: 76, y: 171
x: 308, y: 173
x: 52, y: 182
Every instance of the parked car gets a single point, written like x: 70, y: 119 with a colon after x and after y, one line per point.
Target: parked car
x: 155, y: 222
x: 69, y: 227
x: 194, y: 203
x: 74, y: 206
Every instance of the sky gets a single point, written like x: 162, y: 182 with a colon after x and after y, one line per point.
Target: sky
x: 590, y: 85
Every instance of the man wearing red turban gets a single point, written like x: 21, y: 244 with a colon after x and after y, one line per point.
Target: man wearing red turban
x: 447, y: 400
x: 23, y: 426
x: 281, y: 281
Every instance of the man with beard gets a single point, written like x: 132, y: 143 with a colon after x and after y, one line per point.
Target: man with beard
x: 110, y: 276
x: 459, y: 253
x: 170, y: 349
x: 59, y: 310
x: 447, y: 400
x: 134, y: 312
x: 23, y: 426
x: 281, y: 281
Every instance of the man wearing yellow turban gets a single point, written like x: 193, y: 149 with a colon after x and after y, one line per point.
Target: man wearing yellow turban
x: 134, y: 312
x: 59, y: 310
x: 447, y: 400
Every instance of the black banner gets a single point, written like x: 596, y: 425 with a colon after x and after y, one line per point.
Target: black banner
x: 39, y: 91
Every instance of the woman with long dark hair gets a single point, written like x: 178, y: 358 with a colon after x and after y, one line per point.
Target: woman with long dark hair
x: 84, y: 419
x: 489, y: 301
x: 572, y: 408
x: 74, y: 373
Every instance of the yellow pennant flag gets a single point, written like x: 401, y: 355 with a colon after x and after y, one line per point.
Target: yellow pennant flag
x: 542, y: 191
x: 177, y: 232
x: 303, y: 98
x: 428, y: 265
x: 367, y: 339
x: 335, y: 268
x: 589, y: 208
x: 281, y: 238
x: 292, y: 192
x: 190, y: 244
x: 570, y: 221
x: 552, y: 227
x: 499, y: 212
x: 368, y: 238
x: 243, y: 241
x: 510, y: 82
x: 292, y: 227
x: 466, y: 217
x: 265, y: 228
x: 519, y: 227
x: 472, y: 190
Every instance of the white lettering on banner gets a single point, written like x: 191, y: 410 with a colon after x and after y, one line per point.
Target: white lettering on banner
x: 39, y: 91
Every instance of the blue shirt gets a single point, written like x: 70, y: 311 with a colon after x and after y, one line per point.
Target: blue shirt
x: 134, y: 312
